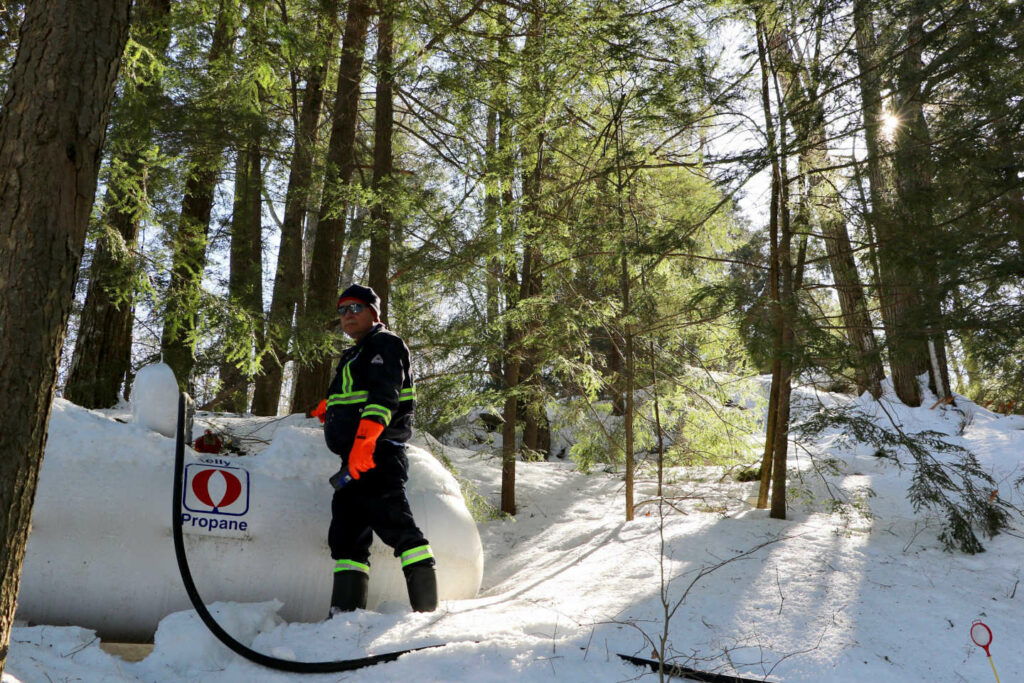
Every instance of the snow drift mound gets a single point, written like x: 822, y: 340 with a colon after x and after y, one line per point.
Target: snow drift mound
x: 100, y: 553
x: 155, y: 399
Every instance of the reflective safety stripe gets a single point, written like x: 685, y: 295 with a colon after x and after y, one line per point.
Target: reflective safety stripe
x: 351, y: 398
x: 378, y: 411
x: 351, y: 566
x: 416, y: 555
x: 347, y: 397
x: 346, y: 376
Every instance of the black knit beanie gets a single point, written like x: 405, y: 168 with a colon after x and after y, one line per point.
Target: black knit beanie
x: 364, y: 294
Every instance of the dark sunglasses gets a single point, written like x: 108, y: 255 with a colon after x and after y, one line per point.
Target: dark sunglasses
x: 354, y: 309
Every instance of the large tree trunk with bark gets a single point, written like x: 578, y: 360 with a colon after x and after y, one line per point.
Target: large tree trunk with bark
x: 820, y: 207
x: 897, y: 280
x: 102, y: 356
x: 865, y: 357
x: 319, y: 313
x: 379, y: 268
x: 288, y: 278
x: 52, y: 125
x: 923, y: 341
x: 823, y: 197
x: 245, y: 279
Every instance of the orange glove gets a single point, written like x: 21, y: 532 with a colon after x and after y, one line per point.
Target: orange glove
x: 320, y: 411
x: 360, y: 458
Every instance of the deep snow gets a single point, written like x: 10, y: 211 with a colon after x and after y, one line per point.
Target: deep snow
x: 568, y: 583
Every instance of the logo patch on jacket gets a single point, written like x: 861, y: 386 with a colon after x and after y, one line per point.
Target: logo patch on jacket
x: 377, y: 360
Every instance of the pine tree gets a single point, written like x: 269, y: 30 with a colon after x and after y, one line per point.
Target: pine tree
x: 244, y: 332
x: 288, y: 279
x: 322, y: 288
x: 383, y: 185
x: 188, y: 238
x: 102, y: 356
x: 52, y: 125
x: 800, y: 61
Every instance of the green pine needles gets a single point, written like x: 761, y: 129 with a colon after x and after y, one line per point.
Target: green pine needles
x: 946, y: 477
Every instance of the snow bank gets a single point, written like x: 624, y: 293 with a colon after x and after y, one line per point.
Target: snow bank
x: 817, y: 597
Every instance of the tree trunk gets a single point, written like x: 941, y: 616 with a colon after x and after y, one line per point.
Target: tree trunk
x: 102, y: 355
x: 924, y: 337
x: 379, y: 269
x: 495, y: 178
x: 629, y: 382
x: 529, y: 368
x: 492, y: 276
x: 288, y: 278
x: 783, y: 295
x: 355, y: 245
x: 786, y: 322
x: 532, y: 404
x: 244, y: 329
x: 781, y: 435
x: 512, y: 360
x: 534, y: 150
x: 531, y: 425
x: 866, y: 360
x: 517, y: 354
x: 823, y: 200
x: 52, y: 124
x: 771, y: 420
x: 245, y: 279
x: 897, y: 286
x: 508, y: 431
x: 188, y: 241
x: 103, y: 344
x: 820, y: 206
x: 629, y: 374
x: 615, y: 373
x: 320, y: 313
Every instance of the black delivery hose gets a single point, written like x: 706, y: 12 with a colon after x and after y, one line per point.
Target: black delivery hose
x: 204, y: 614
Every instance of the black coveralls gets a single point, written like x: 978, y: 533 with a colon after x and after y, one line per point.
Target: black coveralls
x: 373, y: 381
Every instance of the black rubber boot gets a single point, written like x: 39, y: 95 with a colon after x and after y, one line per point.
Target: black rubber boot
x: 350, y: 588
x: 422, y: 584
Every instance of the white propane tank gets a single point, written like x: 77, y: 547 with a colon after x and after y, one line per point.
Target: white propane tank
x: 100, y: 554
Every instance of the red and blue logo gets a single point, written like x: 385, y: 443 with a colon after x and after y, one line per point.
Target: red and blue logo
x: 216, y: 490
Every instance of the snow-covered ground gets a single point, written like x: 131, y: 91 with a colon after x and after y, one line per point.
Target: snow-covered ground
x: 568, y: 584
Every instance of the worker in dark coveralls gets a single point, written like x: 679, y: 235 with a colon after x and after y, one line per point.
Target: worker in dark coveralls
x: 368, y: 421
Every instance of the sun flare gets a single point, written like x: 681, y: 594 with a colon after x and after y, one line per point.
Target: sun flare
x: 890, y: 124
